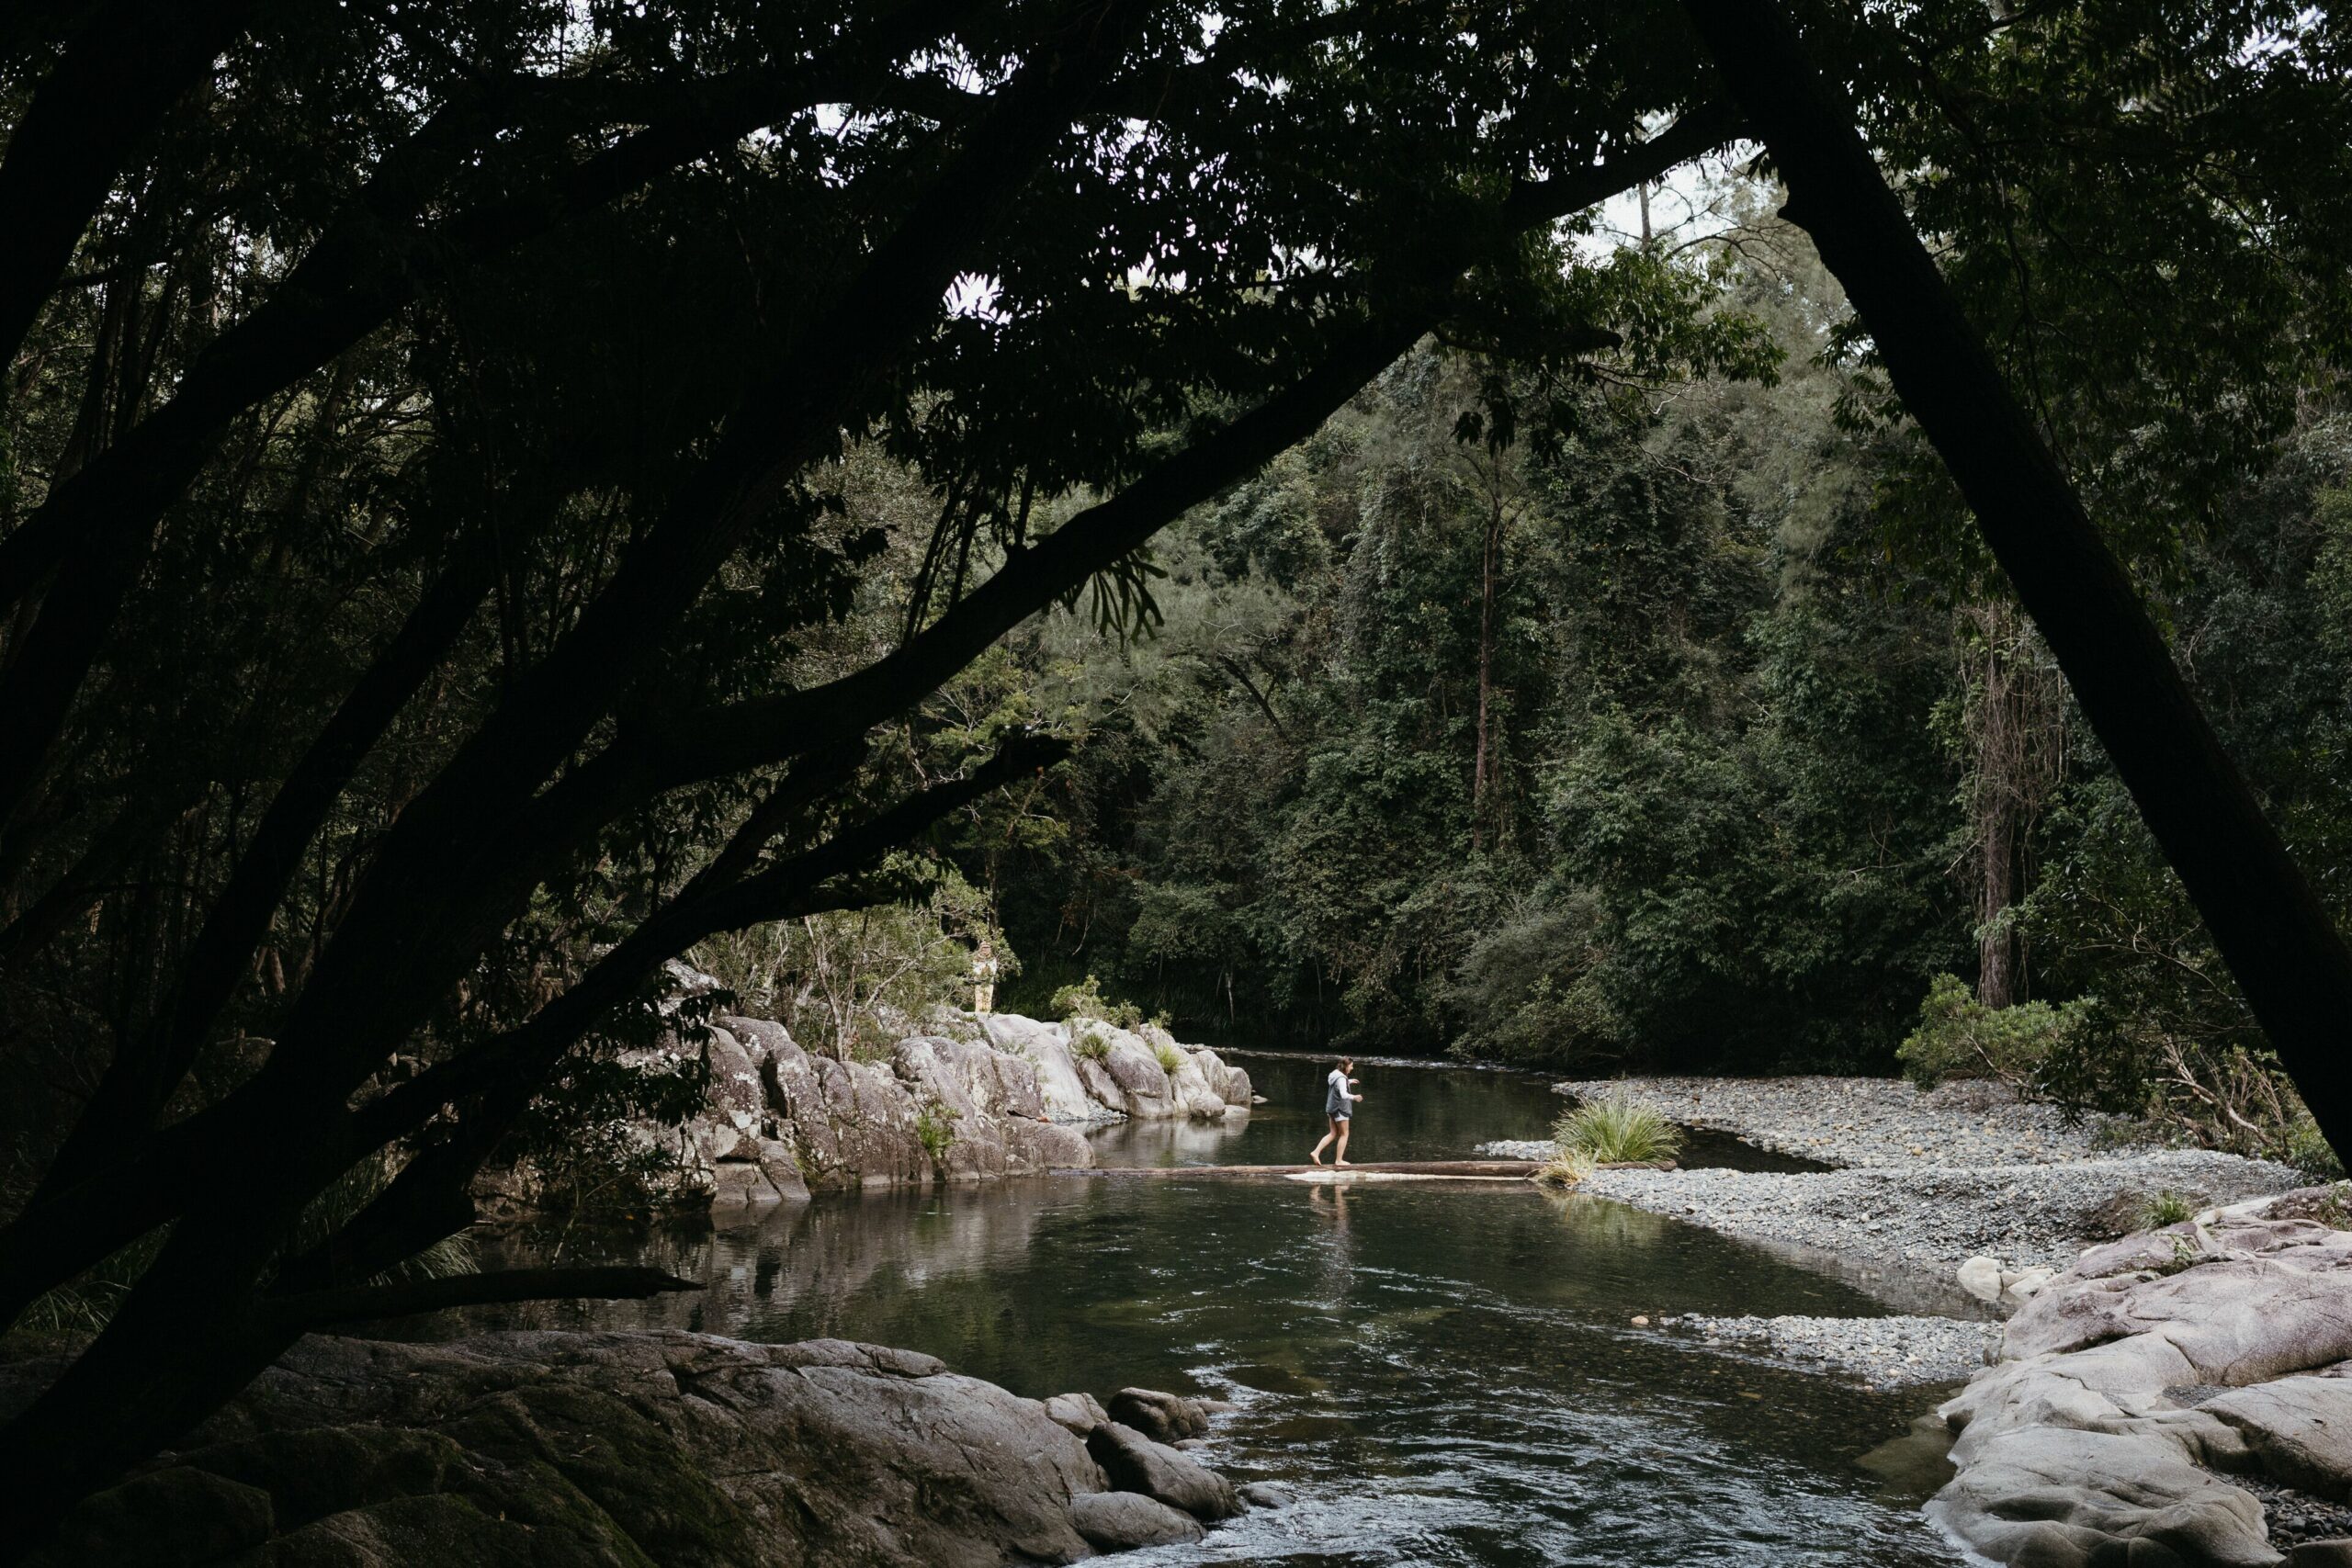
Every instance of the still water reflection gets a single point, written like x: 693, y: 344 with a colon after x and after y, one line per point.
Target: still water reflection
x: 1442, y: 1374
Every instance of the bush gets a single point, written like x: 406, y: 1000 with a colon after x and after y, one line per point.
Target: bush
x: 1086, y: 1001
x: 1617, y: 1129
x: 1960, y: 1037
x: 1087, y: 1043
x: 936, y: 1131
x: 1170, y: 1057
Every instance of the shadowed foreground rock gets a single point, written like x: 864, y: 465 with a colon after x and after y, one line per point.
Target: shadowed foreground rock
x: 2220, y: 1344
x: 556, y: 1449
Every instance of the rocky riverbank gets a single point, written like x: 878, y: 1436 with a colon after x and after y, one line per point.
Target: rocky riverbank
x: 1873, y: 1123
x: 962, y: 1100
x: 1925, y: 1181
x: 590, y: 1450
x: 2136, y: 1385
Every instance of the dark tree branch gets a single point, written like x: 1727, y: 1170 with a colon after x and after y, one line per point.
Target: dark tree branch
x: 97, y: 529
x: 2289, y: 958
x: 120, y: 73
x: 317, y: 1309
x: 769, y: 730
x: 144, y: 1075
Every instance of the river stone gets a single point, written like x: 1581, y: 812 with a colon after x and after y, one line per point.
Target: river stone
x: 1081, y: 1413
x: 1122, y: 1521
x: 2321, y: 1554
x: 1264, y: 1495
x: 568, y: 1450
x: 1981, y: 1278
x: 1169, y: 1417
x: 2299, y: 1429
x: 1135, y: 1463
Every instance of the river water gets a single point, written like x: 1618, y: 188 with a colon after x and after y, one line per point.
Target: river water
x: 1441, y: 1374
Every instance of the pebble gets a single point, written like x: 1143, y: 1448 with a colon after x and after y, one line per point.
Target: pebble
x: 1926, y: 1179
x: 1936, y: 1217
x: 1871, y: 1121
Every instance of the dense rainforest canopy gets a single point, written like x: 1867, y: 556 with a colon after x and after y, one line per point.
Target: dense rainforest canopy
x: 497, y: 496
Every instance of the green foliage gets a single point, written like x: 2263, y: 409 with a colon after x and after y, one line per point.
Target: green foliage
x: 1566, y: 1168
x: 584, y: 1135
x: 1084, y: 1001
x: 1958, y: 1037
x: 1617, y: 1128
x: 2166, y: 1208
x: 853, y: 983
x: 1169, y: 1058
x: 936, y: 1131
x: 1088, y: 1041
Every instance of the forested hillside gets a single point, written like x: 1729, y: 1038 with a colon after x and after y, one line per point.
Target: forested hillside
x: 1666, y: 741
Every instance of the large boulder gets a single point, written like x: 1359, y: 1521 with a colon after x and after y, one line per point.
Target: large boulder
x: 1163, y: 1417
x: 2090, y: 1436
x: 1142, y: 1082
x: 2055, y: 1497
x: 567, y: 1450
x: 1046, y: 1047
x: 2300, y: 1429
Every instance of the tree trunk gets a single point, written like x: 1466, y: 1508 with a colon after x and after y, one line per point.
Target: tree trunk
x: 2289, y: 960
x: 1489, y: 559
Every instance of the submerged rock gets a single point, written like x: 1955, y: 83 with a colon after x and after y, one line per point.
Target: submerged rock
x: 563, y: 1449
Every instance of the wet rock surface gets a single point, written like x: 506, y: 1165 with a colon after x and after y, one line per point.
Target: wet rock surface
x: 562, y: 1449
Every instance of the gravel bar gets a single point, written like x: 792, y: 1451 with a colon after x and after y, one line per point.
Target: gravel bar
x: 1883, y: 1352
x: 1873, y: 1123
x: 1936, y: 1217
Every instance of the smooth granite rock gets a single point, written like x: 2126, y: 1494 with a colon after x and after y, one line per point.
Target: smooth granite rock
x: 1167, y: 1417
x: 596, y: 1450
x: 1122, y: 1521
x: 2098, y: 1436
x: 1133, y: 1462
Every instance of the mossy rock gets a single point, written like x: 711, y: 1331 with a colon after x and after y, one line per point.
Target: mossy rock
x: 621, y: 1461
x: 174, y: 1517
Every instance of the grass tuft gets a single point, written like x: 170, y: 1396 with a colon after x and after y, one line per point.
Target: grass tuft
x: 1617, y: 1128
x: 1567, y: 1168
x: 2166, y: 1208
x: 1170, y: 1057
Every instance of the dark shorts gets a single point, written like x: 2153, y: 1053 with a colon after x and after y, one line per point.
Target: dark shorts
x: 1336, y: 1115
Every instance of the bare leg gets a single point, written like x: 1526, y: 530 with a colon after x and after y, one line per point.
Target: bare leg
x: 1340, y: 1157
x: 1338, y: 1131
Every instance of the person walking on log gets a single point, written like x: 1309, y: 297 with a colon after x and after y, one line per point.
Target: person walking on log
x: 1339, y: 1105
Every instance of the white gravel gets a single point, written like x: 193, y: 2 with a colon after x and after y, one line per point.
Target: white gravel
x: 1936, y: 1217
x: 1925, y: 1180
x: 1883, y: 1352
x: 1871, y: 1123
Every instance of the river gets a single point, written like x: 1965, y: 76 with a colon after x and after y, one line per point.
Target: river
x: 1441, y: 1374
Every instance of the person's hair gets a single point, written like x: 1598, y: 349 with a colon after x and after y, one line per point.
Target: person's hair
x: 1347, y: 1061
